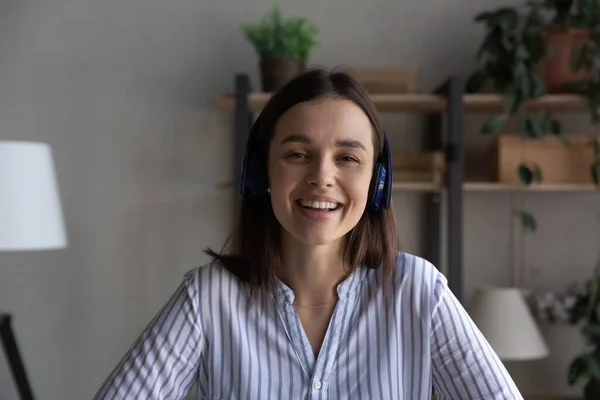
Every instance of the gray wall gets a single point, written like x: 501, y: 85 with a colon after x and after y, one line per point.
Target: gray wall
x: 124, y: 92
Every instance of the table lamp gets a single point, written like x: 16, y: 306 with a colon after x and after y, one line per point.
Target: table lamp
x: 30, y: 219
x: 502, y: 316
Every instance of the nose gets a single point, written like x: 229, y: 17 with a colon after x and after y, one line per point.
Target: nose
x: 321, y: 174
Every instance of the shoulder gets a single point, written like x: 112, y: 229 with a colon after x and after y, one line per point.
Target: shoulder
x: 416, y: 270
x: 418, y: 282
x: 211, y: 277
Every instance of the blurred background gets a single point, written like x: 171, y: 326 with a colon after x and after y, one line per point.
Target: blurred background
x: 130, y: 95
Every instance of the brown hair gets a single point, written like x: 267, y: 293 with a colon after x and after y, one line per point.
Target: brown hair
x: 254, y: 252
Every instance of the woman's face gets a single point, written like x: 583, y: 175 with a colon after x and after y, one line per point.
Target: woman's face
x: 320, y: 166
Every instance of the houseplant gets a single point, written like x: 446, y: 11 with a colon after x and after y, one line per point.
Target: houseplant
x: 518, y: 57
x: 283, y: 45
x: 580, y: 305
x: 568, y: 25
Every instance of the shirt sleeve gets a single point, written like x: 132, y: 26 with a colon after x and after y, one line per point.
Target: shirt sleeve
x: 465, y: 367
x: 162, y: 362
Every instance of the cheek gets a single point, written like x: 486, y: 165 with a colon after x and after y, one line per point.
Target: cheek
x: 358, y: 184
x: 281, y: 183
x: 361, y: 189
x: 279, y: 180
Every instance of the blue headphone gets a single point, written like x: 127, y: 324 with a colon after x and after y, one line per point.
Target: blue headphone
x: 254, y: 182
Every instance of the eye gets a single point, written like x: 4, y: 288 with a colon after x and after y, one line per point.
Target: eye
x: 349, y: 158
x: 296, y: 156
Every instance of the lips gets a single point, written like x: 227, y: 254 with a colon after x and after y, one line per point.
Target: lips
x: 319, y: 208
x: 319, y: 205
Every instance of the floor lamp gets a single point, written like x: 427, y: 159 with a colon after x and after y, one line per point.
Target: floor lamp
x: 31, y: 220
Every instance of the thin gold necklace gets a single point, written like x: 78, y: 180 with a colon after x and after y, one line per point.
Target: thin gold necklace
x: 317, y: 306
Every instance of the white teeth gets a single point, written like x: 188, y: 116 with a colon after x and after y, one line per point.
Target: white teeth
x: 322, y: 205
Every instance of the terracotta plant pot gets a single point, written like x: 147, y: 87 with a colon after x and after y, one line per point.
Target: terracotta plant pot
x: 556, y: 67
x: 276, y: 72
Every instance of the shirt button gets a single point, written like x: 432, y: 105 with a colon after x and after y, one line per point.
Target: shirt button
x: 317, y: 385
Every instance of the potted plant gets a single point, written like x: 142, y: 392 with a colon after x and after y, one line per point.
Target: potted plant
x: 584, y: 370
x: 509, y: 57
x: 568, y: 26
x: 580, y: 305
x: 284, y: 45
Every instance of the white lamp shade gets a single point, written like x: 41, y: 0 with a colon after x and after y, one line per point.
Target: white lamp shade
x: 30, y: 210
x: 504, y: 319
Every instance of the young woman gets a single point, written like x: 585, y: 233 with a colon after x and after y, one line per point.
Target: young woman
x: 314, y: 300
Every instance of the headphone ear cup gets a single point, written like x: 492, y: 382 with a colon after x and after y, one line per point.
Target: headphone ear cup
x: 377, y: 186
x: 253, y: 179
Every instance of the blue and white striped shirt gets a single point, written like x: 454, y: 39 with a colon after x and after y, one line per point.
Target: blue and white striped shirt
x: 401, y: 345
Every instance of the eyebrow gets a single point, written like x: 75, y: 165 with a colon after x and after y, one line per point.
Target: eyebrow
x: 339, y: 143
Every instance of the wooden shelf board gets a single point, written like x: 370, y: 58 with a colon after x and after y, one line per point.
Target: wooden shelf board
x: 501, y: 187
x: 493, y: 103
x: 494, y: 187
x: 430, y: 103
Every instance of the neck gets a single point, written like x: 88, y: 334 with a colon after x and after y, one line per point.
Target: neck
x: 312, y: 272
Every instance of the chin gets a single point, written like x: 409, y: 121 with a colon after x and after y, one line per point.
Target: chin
x: 317, y: 239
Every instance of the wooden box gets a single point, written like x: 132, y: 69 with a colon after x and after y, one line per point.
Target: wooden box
x: 419, y: 167
x: 381, y: 80
x: 561, y: 163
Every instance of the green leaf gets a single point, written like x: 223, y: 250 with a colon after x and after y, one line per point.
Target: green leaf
x: 536, y: 45
x: 595, y: 170
x: 575, y: 370
x: 520, y: 73
x: 537, y: 85
x: 522, y: 53
x: 514, y: 102
x: 494, y: 124
x: 592, y: 329
x: 529, y: 127
x: 528, y: 222
x: 578, y: 57
x: 583, y: 378
x: 525, y: 174
x: 483, y: 16
x: 592, y: 364
x: 505, y: 17
x: 493, y: 43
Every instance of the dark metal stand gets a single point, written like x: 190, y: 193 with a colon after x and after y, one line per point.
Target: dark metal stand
x: 433, y: 140
x: 455, y: 159
x: 14, y: 359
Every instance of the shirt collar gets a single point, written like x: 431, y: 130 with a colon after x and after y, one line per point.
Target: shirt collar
x: 284, y: 293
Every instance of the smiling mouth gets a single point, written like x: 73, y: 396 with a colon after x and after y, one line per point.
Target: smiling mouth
x: 319, y: 205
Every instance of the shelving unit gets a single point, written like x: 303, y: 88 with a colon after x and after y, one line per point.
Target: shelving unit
x: 448, y: 105
x: 430, y: 103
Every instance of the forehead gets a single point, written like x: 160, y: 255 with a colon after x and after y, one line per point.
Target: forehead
x: 326, y: 120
